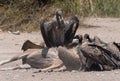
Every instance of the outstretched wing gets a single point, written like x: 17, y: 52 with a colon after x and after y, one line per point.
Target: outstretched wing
x: 44, y: 33
x: 71, y: 29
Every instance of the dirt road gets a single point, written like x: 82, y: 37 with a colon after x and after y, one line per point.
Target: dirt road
x: 106, y: 28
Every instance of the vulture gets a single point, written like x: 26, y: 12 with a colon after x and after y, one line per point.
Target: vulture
x: 59, y: 32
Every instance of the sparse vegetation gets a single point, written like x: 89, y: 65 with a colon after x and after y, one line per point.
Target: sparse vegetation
x: 24, y: 15
x: 107, y: 8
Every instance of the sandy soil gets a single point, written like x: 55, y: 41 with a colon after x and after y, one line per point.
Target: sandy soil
x: 106, y: 28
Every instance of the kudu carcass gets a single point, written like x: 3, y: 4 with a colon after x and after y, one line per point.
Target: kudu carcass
x: 61, y: 58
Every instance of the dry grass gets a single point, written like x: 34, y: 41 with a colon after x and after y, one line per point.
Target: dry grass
x: 24, y: 15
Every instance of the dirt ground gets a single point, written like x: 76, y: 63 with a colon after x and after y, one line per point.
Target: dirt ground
x: 108, y: 29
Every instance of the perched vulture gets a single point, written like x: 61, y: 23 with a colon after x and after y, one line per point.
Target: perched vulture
x: 59, y: 32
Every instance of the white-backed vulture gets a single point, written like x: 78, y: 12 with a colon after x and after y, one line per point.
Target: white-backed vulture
x: 59, y: 32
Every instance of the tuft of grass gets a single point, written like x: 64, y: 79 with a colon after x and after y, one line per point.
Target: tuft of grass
x: 107, y: 8
x: 69, y: 7
x: 24, y: 15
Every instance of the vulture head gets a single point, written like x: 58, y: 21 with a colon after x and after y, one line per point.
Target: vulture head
x: 75, y: 20
x: 59, y: 19
x: 79, y: 37
x: 58, y: 14
x: 87, y: 38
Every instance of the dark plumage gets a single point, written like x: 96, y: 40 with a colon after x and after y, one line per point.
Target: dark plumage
x: 117, y: 45
x: 59, y: 32
x: 71, y: 29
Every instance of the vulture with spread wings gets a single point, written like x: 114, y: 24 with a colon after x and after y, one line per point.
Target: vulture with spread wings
x: 59, y: 32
